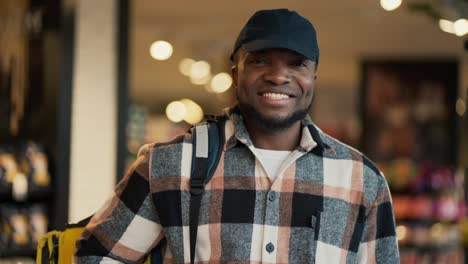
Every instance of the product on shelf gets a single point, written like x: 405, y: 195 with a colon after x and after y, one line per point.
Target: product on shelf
x: 16, y: 227
x: 8, y: 167
x: 21, y: 227
x: 404, y: 172
x: 447, y: 208
x: 20, y: 187
x: 454, y: 255
x: 411, y: 133
x: 401, y: 206
x: 428, y: 235
x: 24, y: 182
x: 34, y: 164
x: 420, y: 235
x: 400, y: 173
x: 439, y: 207
x: 23, y: 173
x: 405, y: 175
x: 38, y: 222
x: 420, y: 207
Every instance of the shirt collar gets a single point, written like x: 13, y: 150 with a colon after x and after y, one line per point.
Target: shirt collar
x: 235, y: 132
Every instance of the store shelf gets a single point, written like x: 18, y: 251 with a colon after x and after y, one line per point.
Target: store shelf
x: 36, y: 195
x: 24, y: 252
x: 411, y: 137
x: 426, y: 221
x: 429, y: 248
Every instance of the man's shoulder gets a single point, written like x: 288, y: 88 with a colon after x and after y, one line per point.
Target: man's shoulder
x: 363, y: 170
x: 343, y: 151
x: 177, y: 141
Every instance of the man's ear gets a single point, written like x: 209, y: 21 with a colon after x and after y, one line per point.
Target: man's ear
x: 234, y: 70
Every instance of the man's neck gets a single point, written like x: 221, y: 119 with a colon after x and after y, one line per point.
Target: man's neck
x: 286, y: 139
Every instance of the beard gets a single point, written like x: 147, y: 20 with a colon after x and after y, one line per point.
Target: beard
x: 273, y: 123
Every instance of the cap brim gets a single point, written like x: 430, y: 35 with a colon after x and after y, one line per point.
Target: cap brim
x: 263, y: 44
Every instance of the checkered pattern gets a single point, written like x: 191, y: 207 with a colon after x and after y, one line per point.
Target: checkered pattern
x: 329, y: 204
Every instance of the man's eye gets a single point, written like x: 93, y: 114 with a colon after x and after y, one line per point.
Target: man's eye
x: 300, y: 64
x: 258, y: 61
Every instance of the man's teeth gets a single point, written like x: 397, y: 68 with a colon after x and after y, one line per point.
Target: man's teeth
x: 276, y: 96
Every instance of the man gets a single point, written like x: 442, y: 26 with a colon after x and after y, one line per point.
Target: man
x: 283, y: 191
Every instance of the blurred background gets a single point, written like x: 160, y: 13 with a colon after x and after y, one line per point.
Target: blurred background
x: 83, y: 84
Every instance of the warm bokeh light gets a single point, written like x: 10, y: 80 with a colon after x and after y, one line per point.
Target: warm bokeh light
x: 402, y: 232
x: 184, y: 109
x: 185, y: 65
x: 390, y: 5
x: 446, y: 26
x: 460, y: 27
x: 221, y: 82
x: 176, y: 111
x: 460, y: 107
x: 199, y: 70
x: 201, y: 81
x: 194, y: 113
x: 161, y: 50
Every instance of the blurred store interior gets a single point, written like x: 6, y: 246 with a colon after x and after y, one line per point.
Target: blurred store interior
x: 83, y: 84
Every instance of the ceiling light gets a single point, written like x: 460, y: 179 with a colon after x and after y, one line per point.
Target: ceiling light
x: 194, y: 113
x: 446, y: 26
x: 390, y: 5
x: 199, y: 70
x: 176, y: 111
x: 201, y: 81
x: 161, y: 50
x: 185, y: 65
x: 221, y: 82
x: 460, y: 27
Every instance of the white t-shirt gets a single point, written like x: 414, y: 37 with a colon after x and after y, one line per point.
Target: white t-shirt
x: 272, y: 160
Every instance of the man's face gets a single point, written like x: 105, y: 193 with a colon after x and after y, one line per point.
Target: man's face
x: 274, y: 87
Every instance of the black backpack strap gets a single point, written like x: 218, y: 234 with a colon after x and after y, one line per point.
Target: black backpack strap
x: 208, y: 139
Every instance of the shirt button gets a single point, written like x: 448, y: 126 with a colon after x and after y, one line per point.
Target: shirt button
x: 270, y: 247
x: 271, y: 197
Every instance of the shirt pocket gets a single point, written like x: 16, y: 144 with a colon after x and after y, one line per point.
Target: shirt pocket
x: 339, y: 237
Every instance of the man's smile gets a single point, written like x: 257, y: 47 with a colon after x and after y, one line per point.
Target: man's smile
x: 275, y: 96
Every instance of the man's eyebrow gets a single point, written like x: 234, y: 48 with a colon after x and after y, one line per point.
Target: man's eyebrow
x: 257, y: 52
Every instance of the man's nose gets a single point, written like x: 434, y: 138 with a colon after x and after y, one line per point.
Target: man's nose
x: 278, y: 74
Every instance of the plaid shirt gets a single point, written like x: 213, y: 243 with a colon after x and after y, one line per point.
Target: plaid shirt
x: 328, y: 204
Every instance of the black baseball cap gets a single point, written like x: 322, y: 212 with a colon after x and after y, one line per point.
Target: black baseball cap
x: 278, y: 28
